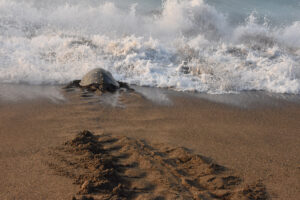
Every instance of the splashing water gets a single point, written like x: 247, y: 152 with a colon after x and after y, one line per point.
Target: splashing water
x: 187, y: 45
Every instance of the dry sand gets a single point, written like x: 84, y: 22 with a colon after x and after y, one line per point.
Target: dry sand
x: 256, y: 144
x: 111, y: 167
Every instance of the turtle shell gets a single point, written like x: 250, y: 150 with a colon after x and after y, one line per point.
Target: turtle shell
x: 99, y: 76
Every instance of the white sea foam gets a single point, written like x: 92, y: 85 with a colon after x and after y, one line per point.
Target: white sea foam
x: 59, y: 43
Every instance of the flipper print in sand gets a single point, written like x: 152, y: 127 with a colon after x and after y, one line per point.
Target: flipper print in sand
x: 109, y: 167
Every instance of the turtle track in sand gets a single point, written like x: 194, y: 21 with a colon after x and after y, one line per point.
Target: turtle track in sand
x: 112, y: 167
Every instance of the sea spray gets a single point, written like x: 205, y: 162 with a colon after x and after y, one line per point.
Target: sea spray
x: 57, y: 43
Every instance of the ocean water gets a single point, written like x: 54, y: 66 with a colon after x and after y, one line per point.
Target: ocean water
x: 211, y: 46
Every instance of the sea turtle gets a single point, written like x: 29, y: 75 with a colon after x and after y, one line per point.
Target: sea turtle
x: 101, y: 79
x: 98, y: 79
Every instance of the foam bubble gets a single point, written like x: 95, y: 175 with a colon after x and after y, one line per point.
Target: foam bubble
x: 187, y: 46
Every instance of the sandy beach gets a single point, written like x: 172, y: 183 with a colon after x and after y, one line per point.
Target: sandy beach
x: 256, y: 144
x: 149, y: 100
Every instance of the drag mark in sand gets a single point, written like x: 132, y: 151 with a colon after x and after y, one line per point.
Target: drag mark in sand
x: 112, y: 167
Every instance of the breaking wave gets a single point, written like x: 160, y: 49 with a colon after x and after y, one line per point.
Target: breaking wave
x: 186, y: 45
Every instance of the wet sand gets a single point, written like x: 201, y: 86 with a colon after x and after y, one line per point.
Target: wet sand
x: 257, y: 143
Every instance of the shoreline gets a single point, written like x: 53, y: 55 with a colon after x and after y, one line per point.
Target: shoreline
x: 258, y: 143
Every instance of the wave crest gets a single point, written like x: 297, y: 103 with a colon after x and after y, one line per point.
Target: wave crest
x: 187, y: 45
